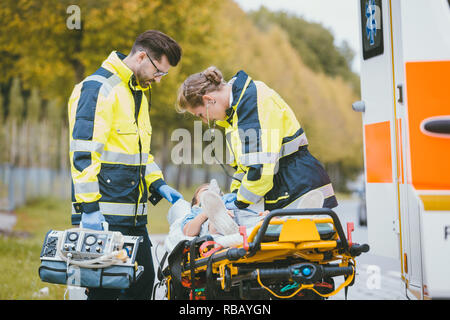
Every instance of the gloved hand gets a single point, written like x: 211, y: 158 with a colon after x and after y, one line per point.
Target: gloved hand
x: 229, y: 198
x: 231, y: 205
x: 169, y: 193
x: 92, y: 220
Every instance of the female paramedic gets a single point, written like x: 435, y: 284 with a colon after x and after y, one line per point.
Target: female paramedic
x: 268, y: 147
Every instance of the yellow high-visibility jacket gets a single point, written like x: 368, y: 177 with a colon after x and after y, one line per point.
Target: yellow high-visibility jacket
x: 268, y: 149
x: 110, y: 133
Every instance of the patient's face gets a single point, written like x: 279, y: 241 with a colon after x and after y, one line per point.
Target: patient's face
x: 198, y: 193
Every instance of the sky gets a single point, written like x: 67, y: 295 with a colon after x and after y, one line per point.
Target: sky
x: 340, y: 17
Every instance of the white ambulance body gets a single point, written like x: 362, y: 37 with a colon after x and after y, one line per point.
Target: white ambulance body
x: 405, y: 91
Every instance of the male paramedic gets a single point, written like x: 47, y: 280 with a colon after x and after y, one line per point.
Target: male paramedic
x: 113, y: 172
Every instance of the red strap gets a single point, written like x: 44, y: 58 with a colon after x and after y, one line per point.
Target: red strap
x: 210, y: 252
x: 243, y: 233
x: 350, y: 229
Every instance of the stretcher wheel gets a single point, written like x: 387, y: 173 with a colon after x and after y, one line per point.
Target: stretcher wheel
x: 227, y: 279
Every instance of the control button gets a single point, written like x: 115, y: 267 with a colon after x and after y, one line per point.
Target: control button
x: 90, y: 240
x: 88, y: 248
x: 100, y: 242
x: 98, y: 249
x: 73, y: 236
x: 306, y: 271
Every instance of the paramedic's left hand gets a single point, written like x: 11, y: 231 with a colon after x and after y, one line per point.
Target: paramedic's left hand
x: 92, y: 220
x: 231, y: 205
x: 229, y: 198
x: 169, y: 193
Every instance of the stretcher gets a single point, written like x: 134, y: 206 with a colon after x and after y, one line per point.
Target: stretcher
x: 291, y: 254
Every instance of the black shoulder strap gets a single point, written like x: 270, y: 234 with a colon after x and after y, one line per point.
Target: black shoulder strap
x: 192, y: 257
x: 161, y: 265
x: 175, y: 261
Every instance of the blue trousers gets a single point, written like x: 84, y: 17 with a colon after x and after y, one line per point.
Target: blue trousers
x: 142, y: 289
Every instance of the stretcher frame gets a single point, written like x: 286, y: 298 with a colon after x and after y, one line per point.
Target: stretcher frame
x: 261, y: 269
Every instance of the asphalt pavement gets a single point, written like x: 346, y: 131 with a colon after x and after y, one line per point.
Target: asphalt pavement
x: 377, y: 278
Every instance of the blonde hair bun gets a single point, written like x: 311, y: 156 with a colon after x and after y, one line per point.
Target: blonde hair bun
x: 196, y: 86
x: 213, y: 75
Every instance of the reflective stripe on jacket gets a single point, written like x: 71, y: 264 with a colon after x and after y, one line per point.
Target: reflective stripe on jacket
x: 269, y: 148
x: 110, y: 133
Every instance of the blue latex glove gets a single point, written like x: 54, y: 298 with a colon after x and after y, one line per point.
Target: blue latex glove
x: 231, y: 205
x: 92, y: 220
x: 169, y: 193
x: 229, y: 198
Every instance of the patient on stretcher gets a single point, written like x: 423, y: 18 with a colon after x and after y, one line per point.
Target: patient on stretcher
x: 207, y: 215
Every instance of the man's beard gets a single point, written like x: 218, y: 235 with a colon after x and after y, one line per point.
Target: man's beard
x: 144, y: 83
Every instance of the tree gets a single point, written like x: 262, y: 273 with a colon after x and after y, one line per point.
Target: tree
x: 296, y: 58
x: 314, y: 43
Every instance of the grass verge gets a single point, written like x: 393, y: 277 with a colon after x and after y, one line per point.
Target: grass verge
x: 19, y: 252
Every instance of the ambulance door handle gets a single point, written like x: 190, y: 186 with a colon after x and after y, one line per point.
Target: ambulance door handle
x: 400, y: 93
x: 436, y: 126
x: 359, y: 106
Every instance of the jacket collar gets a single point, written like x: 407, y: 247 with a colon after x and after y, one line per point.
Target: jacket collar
x: 239, y: 84
x: 115, y: 62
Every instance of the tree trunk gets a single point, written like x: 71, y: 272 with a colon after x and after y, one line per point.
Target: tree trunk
x: 179, y: 176
x: 207, y: 174
x: 165, y: 151
x: 13, y: 142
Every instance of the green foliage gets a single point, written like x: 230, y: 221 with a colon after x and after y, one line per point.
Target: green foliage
x: 314, y: 43
x: 296, y: 58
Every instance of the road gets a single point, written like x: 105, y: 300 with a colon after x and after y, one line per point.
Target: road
x: 378, y: 278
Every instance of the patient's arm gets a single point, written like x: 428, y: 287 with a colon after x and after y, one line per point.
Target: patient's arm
x: 265, y: 213
x: 192, y: 228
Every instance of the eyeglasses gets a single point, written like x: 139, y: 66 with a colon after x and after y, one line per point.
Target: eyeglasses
x: 158, y: 72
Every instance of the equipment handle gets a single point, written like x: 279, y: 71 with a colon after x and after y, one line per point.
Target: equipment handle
x: 283, y: 273
x: 319, y: 273
x: 356, y: 249
x: 359, y: 106
x: 256, y: 244
x: 337, y: 271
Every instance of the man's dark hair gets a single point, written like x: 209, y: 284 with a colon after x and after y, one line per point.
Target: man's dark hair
x: 157, y: 44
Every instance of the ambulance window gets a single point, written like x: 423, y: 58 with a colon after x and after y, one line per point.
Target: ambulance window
x: 371, y: 28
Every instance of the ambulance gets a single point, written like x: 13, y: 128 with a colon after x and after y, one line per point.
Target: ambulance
x: 405, y: 106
